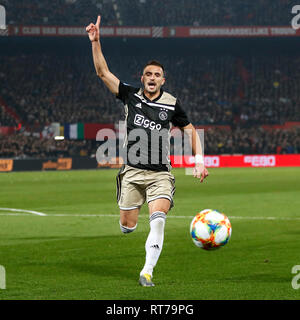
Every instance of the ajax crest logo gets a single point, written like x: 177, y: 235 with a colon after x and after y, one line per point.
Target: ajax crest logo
x: 163, y: 115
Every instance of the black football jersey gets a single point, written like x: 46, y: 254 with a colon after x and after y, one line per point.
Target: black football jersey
x: 148, y: 126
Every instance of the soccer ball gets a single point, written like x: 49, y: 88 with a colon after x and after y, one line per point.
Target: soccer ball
x: 210, y: 229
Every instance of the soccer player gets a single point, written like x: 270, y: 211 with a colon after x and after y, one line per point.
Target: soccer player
x: 151, y: 110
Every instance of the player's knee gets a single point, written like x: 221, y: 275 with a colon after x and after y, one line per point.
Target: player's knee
x: 127, y: 229
x: 164, y: 210
x: 158, y: 218
x: 161, y: 205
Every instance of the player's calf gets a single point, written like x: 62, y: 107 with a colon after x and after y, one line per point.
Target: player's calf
x: 128, y: 220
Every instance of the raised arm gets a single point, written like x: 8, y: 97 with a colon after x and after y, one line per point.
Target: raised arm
x: 109, y: 79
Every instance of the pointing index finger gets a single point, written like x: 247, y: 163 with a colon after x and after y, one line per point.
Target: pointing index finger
x: 98, y: 21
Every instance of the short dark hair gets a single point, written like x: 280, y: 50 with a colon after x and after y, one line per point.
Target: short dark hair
x: 154, y: 63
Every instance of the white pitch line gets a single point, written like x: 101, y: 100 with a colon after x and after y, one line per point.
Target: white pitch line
x: 169, y: 216
x: 15, y: 214
x: 22, y: 210
x: 117, y: 216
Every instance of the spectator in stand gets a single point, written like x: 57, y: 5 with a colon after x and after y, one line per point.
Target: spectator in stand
x: 6, y: 120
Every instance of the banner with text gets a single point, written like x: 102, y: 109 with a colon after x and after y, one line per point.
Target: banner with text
x: 239, y: 161
x: 158, y: 32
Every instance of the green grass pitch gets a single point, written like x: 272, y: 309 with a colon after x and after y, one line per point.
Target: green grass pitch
x: 77, y: 250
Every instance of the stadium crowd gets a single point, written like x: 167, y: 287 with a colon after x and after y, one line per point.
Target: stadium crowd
x: 40, y: 94
x: 206, y: 13
x: 225, y: 89
x: 217, y: 141
x: 150, y: 13
x: 58, y: 12
x: 24, y: 146
x: 252, y: 141
x: 242, y: 92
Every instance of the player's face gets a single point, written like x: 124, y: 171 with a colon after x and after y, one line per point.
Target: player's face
x: 153, y: 79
